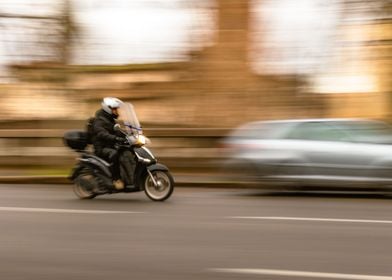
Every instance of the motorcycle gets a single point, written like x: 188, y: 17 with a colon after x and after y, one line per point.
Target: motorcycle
x: 92, y: 176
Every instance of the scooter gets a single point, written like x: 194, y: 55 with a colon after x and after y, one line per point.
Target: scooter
x: 92, y: 176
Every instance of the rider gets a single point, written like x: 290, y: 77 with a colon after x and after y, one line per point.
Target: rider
x: 105, y: 137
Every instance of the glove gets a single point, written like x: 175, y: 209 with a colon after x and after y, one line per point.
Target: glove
x: 121, y: 140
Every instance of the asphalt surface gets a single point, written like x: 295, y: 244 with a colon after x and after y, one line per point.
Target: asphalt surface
x: 46, y: 233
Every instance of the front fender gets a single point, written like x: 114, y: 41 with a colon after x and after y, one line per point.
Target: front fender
x: 157, y: 166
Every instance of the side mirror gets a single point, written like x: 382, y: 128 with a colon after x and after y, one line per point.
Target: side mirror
x: 117, y: 127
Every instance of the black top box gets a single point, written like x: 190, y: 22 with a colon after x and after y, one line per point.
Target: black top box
x: 76, y: 139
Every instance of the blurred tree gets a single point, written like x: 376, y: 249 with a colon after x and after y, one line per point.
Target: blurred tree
x: 45, y: 37
x: 67, y: 32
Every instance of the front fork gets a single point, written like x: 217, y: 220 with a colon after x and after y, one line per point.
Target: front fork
x: 152, y: 178
x: 148, y: 161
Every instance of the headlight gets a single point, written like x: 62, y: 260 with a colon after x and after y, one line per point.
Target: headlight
x: 141, y: 140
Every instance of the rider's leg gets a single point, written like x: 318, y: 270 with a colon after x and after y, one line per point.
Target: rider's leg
x: 128, y: 161
x: 112, y: 156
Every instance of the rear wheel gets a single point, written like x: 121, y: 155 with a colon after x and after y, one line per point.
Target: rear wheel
x: 164, y: 187
x: 84, y: 186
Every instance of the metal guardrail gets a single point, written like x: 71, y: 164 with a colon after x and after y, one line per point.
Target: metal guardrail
x: 181, y: 148
x: 150, y: 132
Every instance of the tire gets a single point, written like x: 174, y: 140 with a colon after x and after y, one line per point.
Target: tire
x: 84, y: 186
x: 162, y: 192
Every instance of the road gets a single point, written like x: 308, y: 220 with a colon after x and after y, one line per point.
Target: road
x: 46, y: 233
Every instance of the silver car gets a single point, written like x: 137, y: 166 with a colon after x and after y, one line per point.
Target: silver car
x: 313, y: 152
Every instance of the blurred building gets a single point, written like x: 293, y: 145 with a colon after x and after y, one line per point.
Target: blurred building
x: 357, y: 82
x: 214, y: 84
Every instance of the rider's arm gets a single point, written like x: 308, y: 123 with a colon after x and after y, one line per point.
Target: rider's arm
x: 102, y: 134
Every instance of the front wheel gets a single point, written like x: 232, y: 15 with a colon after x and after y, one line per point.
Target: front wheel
x: 164, y: 187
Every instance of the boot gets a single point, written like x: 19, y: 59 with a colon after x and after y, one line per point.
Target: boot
x: 118, y: 184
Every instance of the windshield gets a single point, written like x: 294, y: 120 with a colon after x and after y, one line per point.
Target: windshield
x: 127, y: 117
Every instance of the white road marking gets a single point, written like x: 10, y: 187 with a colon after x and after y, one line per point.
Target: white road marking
x: 302, y: 274
x: 70, y: 211
x: 312, y: 219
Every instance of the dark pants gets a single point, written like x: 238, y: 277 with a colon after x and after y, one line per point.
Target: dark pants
x: 128, y: 164
x: 124, y: 159
x: 113, y: 157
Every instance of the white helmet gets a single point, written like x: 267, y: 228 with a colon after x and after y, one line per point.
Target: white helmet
x: 110, y: 103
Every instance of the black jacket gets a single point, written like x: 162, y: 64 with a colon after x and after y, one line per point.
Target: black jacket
x: 104, y: 134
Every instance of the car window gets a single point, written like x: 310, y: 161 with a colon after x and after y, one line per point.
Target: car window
x: 261, y: 131
x: 317, y: 131
x: 367, y: 131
